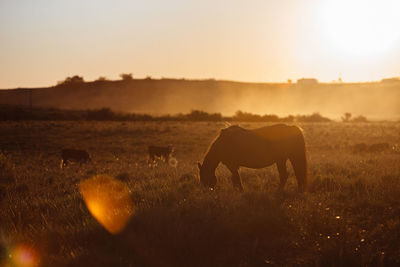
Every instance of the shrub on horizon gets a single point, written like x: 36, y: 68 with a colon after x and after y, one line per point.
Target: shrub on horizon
x: 198, y: 115
x: 102, y: 114
x: 126, y: 76
x: 315, y: 117
x: 101, y: 79
x: 72, y: 80
x: 360, y: 119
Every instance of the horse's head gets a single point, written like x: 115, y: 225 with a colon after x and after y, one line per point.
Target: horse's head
x: 207, y: 176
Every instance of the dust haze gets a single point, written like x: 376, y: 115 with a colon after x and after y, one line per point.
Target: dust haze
x: 378, y: 100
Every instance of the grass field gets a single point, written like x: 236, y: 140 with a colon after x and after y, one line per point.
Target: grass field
x: 350, y: 217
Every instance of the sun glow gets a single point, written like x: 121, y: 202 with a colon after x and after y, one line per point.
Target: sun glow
x: 361, y: 28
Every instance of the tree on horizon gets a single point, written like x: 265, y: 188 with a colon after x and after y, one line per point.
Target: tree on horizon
x: 72, y: 80
x: 126, y: 76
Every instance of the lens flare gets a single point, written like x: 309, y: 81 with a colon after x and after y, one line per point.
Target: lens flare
x: 22, y: 256
x: 109, y: 201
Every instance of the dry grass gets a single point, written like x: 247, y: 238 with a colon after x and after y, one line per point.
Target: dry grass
x: 349, y: 217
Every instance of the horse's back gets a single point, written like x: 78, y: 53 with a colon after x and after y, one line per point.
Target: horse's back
x: 278, y: 132
x: 266, y: 144
x: 287, y: 139
x: 238, y: 146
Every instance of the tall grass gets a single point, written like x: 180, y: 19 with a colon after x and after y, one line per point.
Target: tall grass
x: 349, y: 217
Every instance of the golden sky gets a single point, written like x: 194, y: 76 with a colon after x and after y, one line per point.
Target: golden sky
x: 44, y: 41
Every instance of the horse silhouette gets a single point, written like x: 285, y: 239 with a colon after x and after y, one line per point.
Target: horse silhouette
x: 236, y: 147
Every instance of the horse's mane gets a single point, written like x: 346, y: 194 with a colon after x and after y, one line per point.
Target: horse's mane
x: 220, y: 133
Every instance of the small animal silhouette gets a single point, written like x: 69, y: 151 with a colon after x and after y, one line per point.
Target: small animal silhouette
x: 158, y: 152
x: 379, y: 147
x: 74, y: 155
x: 374, y: 148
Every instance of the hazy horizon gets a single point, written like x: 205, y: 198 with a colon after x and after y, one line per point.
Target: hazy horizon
x: 151, y: 78
x: 256, y: 41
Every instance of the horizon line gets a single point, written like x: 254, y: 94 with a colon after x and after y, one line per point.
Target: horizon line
x: 150, y: 78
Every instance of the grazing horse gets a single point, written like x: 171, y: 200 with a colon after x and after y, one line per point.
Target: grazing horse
x: 160, y: 152
x: 236, y: 147
x: 74, y: 155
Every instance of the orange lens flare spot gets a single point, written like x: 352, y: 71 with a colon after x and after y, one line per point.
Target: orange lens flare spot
x: 23, y: 256
x: 109, y: 201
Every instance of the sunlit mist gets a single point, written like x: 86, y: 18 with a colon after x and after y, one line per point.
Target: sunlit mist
x: 108, y: 200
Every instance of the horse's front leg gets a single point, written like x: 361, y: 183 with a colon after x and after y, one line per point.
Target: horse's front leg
x: 283, y: 174
x: 236, y: 181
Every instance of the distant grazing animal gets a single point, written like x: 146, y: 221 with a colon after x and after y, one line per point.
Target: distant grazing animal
x: 236, y: 147
x: 74, y: 155
x: 158, y: 152
x: 374, y: 148
x: 379, y: 147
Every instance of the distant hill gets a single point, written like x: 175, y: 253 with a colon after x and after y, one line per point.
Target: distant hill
x: 171, y: 96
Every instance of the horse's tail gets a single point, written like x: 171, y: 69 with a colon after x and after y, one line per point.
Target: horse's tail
x: 299, y: 161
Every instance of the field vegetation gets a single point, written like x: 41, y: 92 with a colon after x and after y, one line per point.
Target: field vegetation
x: 106, y: 114
x: 349, y: 217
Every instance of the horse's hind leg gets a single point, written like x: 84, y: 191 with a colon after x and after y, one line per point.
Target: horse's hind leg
x: 236, y: 181
x: 300, y: 170
x: 283, y: 174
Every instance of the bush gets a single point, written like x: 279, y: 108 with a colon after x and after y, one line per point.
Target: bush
x: 103, y: 114
x: 126, y: 76
x: 198, y: 115
x: 346, y: 117
x: 101, y: 79
x: 72, y: 80
x: 315, y: 117
x: 360, y: 119
x: 245, y: 116
x: 21, y: 113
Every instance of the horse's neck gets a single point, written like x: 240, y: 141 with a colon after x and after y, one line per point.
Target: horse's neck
x: 211, y: 160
